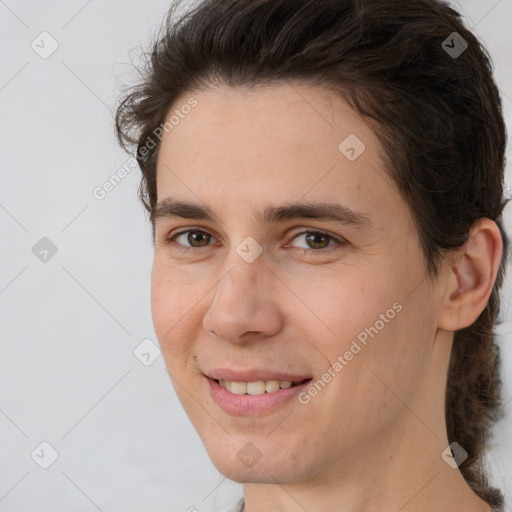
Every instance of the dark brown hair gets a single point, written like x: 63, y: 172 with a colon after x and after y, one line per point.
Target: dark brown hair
x: 437, y: 114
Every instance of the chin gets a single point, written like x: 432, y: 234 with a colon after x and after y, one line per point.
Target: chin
x: 250, y: 465
x: 258, y: 474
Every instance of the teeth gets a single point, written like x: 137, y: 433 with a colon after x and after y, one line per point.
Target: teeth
x: 271, y: 386
x: 255, y: 388
x: 238, y: 388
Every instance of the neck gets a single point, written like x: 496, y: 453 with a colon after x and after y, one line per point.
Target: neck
x: 406, y: 476
x: 398, y: 469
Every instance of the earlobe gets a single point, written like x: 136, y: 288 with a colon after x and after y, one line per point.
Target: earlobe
x: 471, y: 277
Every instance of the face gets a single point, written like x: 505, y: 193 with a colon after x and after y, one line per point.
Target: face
x: 237, y: 295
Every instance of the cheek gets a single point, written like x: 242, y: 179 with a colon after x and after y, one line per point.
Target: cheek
x: 172, y: 309
x: 345, y: 308
x: 370, y: 323
x: 384, y: 355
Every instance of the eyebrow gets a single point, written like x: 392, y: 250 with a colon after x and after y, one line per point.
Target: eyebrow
x: 169, y: 208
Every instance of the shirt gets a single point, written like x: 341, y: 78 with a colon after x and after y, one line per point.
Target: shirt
x: 237, y: 507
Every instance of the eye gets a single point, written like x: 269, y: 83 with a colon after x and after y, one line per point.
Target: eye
x: 318, y: 241
x: 194, y: 236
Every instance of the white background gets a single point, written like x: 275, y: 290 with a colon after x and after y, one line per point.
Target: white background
x: 68, y: 375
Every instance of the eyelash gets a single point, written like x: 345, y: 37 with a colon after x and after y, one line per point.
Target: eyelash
x: 307, y: 252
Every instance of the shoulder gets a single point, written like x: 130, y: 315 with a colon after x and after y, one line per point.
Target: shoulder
x: 237, y: 507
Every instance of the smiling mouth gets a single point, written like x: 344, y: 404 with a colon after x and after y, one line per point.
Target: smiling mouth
x: 259, y: 387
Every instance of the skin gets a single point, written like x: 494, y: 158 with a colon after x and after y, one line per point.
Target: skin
x: 372, y: 438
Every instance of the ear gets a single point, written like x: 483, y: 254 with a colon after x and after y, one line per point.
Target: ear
x: 470, y: 276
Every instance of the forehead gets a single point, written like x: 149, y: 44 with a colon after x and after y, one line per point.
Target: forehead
x: 292, y: 120
x: 269, y: 145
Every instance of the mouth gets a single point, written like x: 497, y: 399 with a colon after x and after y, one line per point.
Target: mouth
x: 258, y: 387
x: 240, y: 398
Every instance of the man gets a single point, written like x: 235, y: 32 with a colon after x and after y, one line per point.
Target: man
x: 325, y: 184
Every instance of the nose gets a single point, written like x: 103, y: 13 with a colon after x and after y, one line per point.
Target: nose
x: 244, y: 305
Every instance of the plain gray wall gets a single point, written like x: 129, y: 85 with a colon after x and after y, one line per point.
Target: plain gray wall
x: 69, y: 326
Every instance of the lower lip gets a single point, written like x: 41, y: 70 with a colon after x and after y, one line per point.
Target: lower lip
x: 252, y: 404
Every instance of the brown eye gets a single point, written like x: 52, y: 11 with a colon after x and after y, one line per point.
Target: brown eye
x: 198, y: 237
x: 195, y: 237
x: 318, y: 241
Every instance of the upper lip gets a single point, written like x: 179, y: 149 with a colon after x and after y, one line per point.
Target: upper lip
x: 253, y: 375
